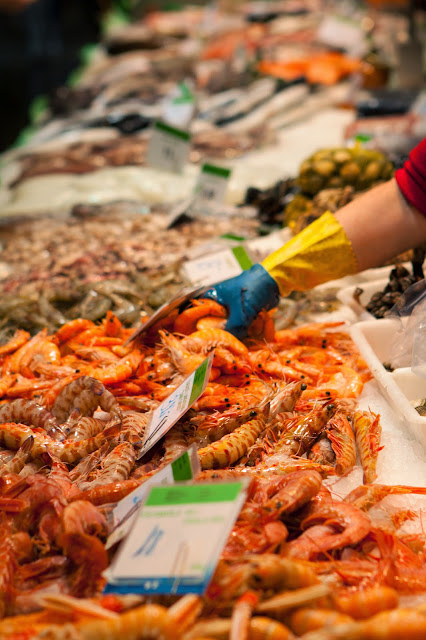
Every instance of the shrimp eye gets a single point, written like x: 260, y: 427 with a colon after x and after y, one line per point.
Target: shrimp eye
x: 253, y: 414
x: 303, y: 386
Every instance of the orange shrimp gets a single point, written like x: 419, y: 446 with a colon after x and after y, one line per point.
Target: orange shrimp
x: 112, y: 325
x: 186, y: 322
x: 353, y: 525
x: 73, y: 328
x: 119, y: 371
x: 260, y: 628
x: 18, y: 339
x: 298, y: 489
x: 368, y: 430
x: 6, y: 382
x: 184, y: 361
x: 241, y: 615
x: 366, y: 496
x: 7, y: 564
x: 233, y: 446
x: 304, y: 620
x: 367, y: 602
x: 340, y: 434
x: 210, y: 322
x: 205, y: 341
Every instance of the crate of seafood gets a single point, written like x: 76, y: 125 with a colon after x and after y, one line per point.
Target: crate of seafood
x: 375, y: 298
x: 405, y: 390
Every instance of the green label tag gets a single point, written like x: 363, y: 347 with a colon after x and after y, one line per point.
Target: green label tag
x: 199, y: 380
x: 181, y: 468
x: 186, y: 96
x: 242, y: 258
x: 213, y: 170
x: 172, y: 131
x: 193, y: 494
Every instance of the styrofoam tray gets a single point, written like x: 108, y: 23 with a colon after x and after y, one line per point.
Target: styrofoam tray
x: 374, y: 339
x: 346, y: 296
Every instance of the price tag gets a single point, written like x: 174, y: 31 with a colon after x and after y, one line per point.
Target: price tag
x: 176, y: 539
x: 168, y: 148
x: 212, y: 183
x: 185, y: 467
x: 217, y: 266
x: 178, y: 403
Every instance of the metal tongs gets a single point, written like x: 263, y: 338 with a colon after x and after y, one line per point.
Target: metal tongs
x: 178, y: 301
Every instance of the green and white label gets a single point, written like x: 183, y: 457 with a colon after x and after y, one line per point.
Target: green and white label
x: 178, y: 403
x: 184, y: 468
x: 217, y: 266
x: 212, y: 183
x: 176, y: 539
x: 168, y: 148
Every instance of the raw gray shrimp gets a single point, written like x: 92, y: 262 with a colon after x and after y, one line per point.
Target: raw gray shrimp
x: 17, y: 462
x: 116, y: 467
x: 85, y: 394
x: 32, y: 414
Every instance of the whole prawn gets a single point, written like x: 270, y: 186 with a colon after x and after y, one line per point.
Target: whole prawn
x: 84, y: 395
x: 115, y: 467
x: 32, y: 414
x: 367, y: 430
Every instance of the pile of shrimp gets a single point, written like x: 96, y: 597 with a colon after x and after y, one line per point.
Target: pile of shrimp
x: 279, y: 408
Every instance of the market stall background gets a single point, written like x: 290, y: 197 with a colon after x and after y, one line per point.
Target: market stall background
x: 95, y: 237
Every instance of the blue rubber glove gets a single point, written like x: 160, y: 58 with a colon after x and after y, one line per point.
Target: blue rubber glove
x: 245, y: 296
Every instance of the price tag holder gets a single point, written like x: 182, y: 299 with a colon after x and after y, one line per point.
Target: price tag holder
x: 176, y: 539
x: 183, y: 469
x: 212, y: 183
x: 178, y: 403
x: 168, y: 148
x: 217, y: 266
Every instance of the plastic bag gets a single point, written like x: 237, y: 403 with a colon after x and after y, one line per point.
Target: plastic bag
x: 409, y: 344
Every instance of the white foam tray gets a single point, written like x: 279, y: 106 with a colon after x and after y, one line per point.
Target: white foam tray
x: 374, y: 339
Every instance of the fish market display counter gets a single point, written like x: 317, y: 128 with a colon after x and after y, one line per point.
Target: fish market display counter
x: 188, y: 484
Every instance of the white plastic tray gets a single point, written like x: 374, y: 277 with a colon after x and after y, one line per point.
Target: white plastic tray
x: 346, y: 296
x: 374, y: 339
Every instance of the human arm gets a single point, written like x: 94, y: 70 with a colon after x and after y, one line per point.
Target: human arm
x: 373, y: 228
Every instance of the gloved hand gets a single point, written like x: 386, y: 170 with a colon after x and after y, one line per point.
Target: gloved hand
x: 319, y: 253
x: 245, y: 296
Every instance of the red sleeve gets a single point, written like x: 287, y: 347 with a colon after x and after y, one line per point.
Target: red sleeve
x: 411, y: 178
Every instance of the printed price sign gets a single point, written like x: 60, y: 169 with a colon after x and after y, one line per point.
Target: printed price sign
x: 178, y: 403
x: 176, y: 539
x: 217, y: 266
x: 168, y: 148
x: 185, y: 467
x: 212, y: 183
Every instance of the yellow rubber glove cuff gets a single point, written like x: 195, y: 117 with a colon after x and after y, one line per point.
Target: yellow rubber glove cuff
x: 319, y: 253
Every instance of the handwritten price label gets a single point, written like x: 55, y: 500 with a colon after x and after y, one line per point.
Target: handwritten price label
x: 168, y: 148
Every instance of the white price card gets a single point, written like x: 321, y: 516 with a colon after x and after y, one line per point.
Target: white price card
x: 176, y: 539
x: 168, y: 148
x: 178, y: 403
x: 185, y: 467
x: 212, y: 183
x: 217, y: 266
